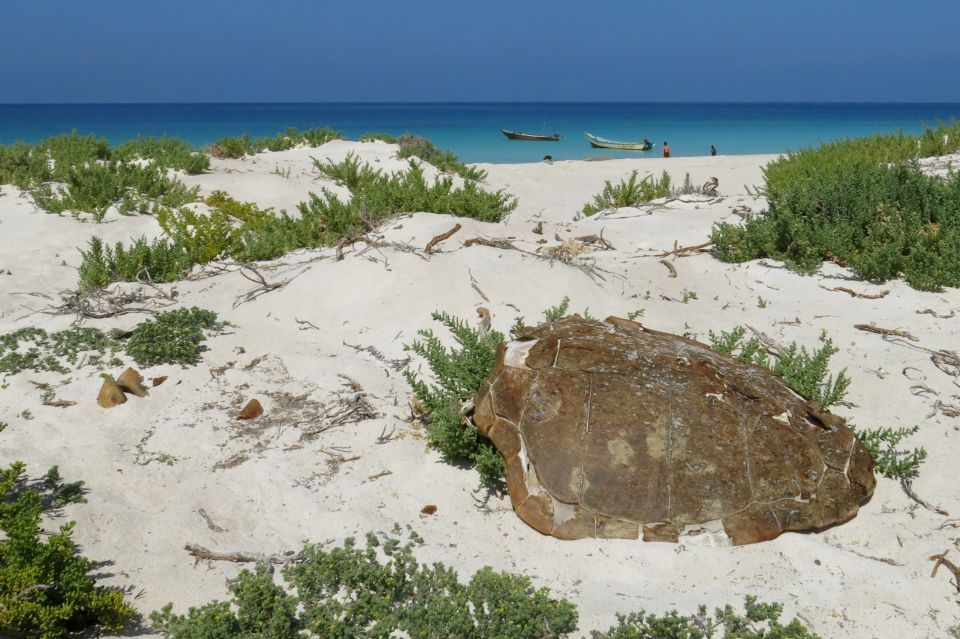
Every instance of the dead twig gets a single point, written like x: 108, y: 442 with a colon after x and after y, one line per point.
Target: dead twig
x: 852, y: 293
x: 263, y: 287
x: 930, y: 311
x: 240, y: 556
x: 907, y: 484
x: 350, y: 241
x: 385, y: 437
x: 439, y: 238
x: 212, y: 526
x: 306, y: 325
x: 941, y: 560
x: 382, y: 473
x: 670, y: 267
x: 870, y: 328
x: 686, y: 251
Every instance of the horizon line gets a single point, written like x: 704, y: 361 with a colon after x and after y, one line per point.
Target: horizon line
x: 474, y: 102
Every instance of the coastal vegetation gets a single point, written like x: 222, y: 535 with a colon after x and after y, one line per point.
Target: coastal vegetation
x: 243, y: 232
x: 85, y: 175
x: 46, y: 590
x: 171, y: 337
x: 383, y: 591
x: 865, y: 204
x: 243, y: 145
x: 629, y: 192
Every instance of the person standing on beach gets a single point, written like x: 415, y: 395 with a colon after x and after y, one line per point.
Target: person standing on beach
x: 666, y: 149
x: 713, y: 150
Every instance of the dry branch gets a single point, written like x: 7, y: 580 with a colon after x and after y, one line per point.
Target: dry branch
x: 686, y: 251
x: 870, y: 328
x: 852, y: 293
x: 439, y: 238
x: 670, y: 267
x: 941, y: 560
x: 240, y: 556
x: 907, y: 484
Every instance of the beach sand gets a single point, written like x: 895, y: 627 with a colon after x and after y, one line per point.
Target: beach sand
x: 177, y: 468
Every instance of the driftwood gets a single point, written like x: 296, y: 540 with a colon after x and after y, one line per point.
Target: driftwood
x: 870, y: 328
x: 439, y: 238
x: 907, y: 484
x: 941, y: 560
x: 670, y: 267
x: 493, y: 242
x: 205, y: 554
x: 686, y: 251
x: 350, y: 241
x: 852, y: 293
x: 597, y: 240
x: 382, y: 473
x: 930, y: 311
x: 263, y: 287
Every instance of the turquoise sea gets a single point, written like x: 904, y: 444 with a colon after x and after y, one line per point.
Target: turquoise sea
x: 472, y: 130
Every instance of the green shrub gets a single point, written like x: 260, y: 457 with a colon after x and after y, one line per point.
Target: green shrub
x: 350, y: 592
x: 34, y: 349
x: 168, y: 153
x: 172, y: 337
x: 383, y: 137
x: 761, y: 621
x: 629, y: 192
x: 420, y: 147
x: 45, y: 588
x: 882, y: 443
x: 458, y: 374
x: 238, y: 147
x: 861, y: 203
x: 806, y: 373
x: 351, y: 172
x: 160, y: 260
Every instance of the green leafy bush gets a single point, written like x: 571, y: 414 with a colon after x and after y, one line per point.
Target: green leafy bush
x: 458, y: 374
x: 160, y: 260
x: 84, y: 174
x: 351, y: 172
x: 383, y: 137
x: 45, y: 588
x: 378, y: 591
x: 761, y: 621
x: 172, y: 337
x: 420, y: 147
x: 882, y: 444
x: 806, y: 373
x: 629, y: 192
x: 238, y: 147
x: 862, y: 203
x: 34, y: 349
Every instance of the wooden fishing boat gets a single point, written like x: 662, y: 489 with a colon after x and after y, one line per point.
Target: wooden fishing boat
x: 514, y: 135
x: 602, y: 143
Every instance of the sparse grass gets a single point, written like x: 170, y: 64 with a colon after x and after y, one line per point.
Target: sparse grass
x: 861, y: 203
x: 630, y: 192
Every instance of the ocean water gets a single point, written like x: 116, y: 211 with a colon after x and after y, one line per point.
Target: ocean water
x: 472, y: 130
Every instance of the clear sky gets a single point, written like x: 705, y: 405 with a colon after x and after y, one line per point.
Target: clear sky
x: 498, y: 50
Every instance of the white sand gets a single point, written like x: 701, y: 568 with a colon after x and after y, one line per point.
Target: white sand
x: 867, y: 578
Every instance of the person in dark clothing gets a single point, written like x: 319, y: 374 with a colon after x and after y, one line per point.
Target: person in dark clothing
x: 666, y: 149
x: 713, y: 150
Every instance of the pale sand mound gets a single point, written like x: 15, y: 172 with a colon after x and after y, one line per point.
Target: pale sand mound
x: 176, y: 468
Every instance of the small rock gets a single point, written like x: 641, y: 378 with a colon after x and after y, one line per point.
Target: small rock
x: 156, y: 381
x: 252, y: 410
x: 429, y: 509
x: 110, y: 394
x: 132, y: 382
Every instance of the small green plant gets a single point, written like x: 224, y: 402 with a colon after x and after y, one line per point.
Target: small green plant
x: 417, y: 146
x: 172, y: 337
x: 806, y: 373
x: 632, y: 315
x: 458, y: 374
x: 350, y: 172
x: 34, y: 349
x: 379, y: 591
x: 688, y: 295
x: 891, y: 462
x: 630, y: 192
x: 382, y: 137
x: 238, y: 147
x: 45, y: 588
x: 761, y: 621
x: 761, y: 303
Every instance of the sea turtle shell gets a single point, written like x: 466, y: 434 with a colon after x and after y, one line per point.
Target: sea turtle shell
x: 613, y: 430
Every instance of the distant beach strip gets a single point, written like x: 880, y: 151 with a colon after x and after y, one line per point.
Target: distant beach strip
x: 473, y: 130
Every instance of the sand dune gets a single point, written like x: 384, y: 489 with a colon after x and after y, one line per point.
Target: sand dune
x: 269, y: 485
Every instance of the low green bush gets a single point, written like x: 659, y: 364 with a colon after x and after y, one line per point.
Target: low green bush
x: 630, y: 192
x: 807, y: 373
x: 351, y: 172
x: 383, y: 137
x: 160, y: 260
x: 862, y: 203
x: 238, y: 147
x: 46, y: 591
x: 172, y: 337
x: 420, y: 147
x: 892, y: 462
x: 84, y: 174
x: 379, y: 591
x: 458, y: 373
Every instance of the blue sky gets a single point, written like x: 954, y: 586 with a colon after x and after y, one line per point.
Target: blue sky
x: 499, y: 50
